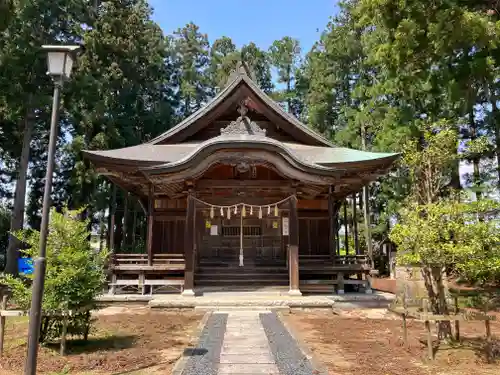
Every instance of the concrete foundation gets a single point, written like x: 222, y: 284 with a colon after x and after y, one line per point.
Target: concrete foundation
x: 238, y: 300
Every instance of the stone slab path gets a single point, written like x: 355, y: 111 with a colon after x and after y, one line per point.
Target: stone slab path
x: 245, y: 349
x: 247, y: 342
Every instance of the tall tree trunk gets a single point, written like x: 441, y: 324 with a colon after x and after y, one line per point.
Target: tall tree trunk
x: 455, y: 175
x: 289, y: 89
x: 476, y: 175
x: 125, y: 237
x: 134, y: 225
x: 102, y: 227
x: 496, y: 126
x: 20, y: 197
x: 436, y: 290
x: 366, y: 206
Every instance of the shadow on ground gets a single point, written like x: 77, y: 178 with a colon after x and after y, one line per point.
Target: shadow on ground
x: 193, y: 352
x: 484, y: 351
x: 97, y: 344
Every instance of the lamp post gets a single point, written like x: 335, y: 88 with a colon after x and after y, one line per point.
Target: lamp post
x: 60, y: 62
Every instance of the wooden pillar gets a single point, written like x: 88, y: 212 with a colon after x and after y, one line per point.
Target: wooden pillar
x: 134, y: 224
x: 355, y: 225
x: 337, y: 228
x: 331, y: 223
x: 346, y: 226
x: 112, y: 213
x: 368, y: 231
x: 102, y: 229
x: 293, y: 249
x: 125, y: 222
x: 150, y: 221
x: 189, y: 248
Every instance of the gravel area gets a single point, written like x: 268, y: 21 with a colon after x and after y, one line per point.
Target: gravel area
x: 287, y: 354
x: 205, y: 357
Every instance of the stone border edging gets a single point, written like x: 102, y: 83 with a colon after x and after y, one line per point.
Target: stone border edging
x: 180, y: 364
x: 315, y: 362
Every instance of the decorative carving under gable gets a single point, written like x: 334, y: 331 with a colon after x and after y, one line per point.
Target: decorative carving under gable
x: 242, y: 167
x: 243, y: 125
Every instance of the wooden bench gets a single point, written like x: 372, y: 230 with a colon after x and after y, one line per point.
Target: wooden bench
x: 319, y: 286
x: 176, y: 284
x: 138, y: 267
x: 342, y: 267
x: 120, y: 284
x: 140, y: 261
x: 327, y: 286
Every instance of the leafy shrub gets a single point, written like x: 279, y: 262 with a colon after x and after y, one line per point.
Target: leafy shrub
x: 74, y: 276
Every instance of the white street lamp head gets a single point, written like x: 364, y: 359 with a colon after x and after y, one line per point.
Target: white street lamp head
x: 60, y: 60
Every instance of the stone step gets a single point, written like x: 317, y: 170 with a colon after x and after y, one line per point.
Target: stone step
x: 243, y: 351
x: 251, y: 357
x: 237, y: 275
x: 229, y: 307
x: 247, y: 368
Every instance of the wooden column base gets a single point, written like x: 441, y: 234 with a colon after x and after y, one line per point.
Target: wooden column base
x: 294, y: 293
x: 188, y: 293
x: 340, y: 283
x: 368, y: 285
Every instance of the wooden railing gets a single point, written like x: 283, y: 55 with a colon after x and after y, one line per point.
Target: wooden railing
x: 324, y: 273
x: 140, y: 261
x: 133, y: 272
x: 334, y: 262
x: 361, y: 260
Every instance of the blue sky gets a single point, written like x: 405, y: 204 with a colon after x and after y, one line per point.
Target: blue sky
x: 260, y: 21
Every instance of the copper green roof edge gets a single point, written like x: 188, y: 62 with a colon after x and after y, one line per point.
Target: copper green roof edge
x: 216, y: 144
x: 364, y: 156
x: 308, y: 154
x: 184, y: 124
x: 96, y: 156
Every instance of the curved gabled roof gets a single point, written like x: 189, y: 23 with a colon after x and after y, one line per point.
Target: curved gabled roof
x: 149, y: 154
x: 241, y: 134
x: 241, y: 78
x: 171, y: 156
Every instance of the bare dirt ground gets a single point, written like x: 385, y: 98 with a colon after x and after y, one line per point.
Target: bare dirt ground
x: 135, y: 341
x: 369, y: 342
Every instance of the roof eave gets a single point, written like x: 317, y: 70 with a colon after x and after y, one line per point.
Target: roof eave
x: 386, y: 159
x: 98, y: 159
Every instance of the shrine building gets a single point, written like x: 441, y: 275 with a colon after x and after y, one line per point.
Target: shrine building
x: 241, y: 194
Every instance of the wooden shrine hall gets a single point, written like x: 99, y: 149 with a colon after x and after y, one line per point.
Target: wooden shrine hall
x: 242, y: 194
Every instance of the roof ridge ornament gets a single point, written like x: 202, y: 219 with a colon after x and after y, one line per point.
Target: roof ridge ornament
x: 243, y: 125
x: 241, y: 69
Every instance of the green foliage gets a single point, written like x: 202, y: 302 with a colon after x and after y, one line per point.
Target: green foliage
x: 258, y: 60
x: 74, y: 275
x: 430, y: 160
x: 439, y: 228
x: 452, y: 233
x: 223, y: 60
x: 191, y: 58
x: 394, y: 70
x: 284, y: 54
